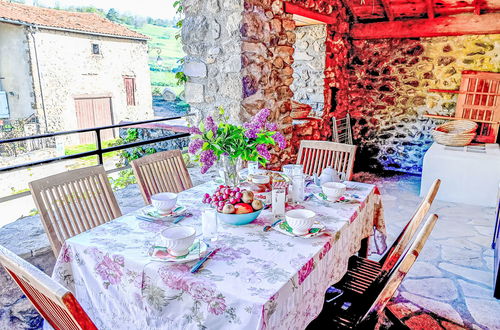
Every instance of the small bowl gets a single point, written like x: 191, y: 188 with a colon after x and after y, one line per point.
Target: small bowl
x: 333, y: 190
x: 238, y: 219
x: 164, y: 202
x: 178, y: 240
x: 300, y: 220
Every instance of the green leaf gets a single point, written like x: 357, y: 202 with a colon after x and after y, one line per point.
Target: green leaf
x: 210, y: 135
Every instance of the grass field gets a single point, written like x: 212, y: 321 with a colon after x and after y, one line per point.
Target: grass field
x: 163, y: 39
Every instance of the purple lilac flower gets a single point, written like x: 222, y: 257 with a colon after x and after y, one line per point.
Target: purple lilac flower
x: 194, y: 130
x: 279, y: 139
x: 261, y: 117
x: 207, y: 158
x: 210, y: 124
x: 271, y: 127
x: 262, y: 150
x: 195, y: 145
x: 251, y: 131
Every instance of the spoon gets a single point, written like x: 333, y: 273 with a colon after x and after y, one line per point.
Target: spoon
x: 269, y: 227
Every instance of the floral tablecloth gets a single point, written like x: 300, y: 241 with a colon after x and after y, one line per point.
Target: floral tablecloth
x: 257, y: 279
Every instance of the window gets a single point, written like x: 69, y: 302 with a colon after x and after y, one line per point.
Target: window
x: 95, y: 49
x: 130, y: 90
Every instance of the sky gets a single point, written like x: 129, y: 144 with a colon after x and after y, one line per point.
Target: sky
x: 152, y: 8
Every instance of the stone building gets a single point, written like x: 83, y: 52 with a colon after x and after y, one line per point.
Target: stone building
x: 67, y: 70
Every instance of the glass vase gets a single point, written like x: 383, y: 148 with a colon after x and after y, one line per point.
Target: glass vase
x: 230, y: 170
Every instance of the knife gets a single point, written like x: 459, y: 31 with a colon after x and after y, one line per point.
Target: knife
x: 202, y: 261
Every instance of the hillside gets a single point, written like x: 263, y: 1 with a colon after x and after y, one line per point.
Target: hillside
x: 163, y: 40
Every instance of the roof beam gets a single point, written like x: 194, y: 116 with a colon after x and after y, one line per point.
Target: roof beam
x: 478, y: 5
x: 301, y: 11
x: 387, y: 9
x: 439, y: 26
x: 349, y: 10
x: 430, y: 9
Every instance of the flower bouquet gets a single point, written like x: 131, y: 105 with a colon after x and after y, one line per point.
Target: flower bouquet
x: 212, y: 141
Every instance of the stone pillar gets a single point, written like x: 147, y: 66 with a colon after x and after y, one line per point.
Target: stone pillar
x: 212, y: 43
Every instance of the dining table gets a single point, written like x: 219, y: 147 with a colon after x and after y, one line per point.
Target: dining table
x: 257, y: 279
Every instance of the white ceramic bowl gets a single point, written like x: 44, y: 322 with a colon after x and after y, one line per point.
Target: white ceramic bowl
x: 178, y: 239
x: 164, y: 202
x: 300, y: 220
x: 333, y: 190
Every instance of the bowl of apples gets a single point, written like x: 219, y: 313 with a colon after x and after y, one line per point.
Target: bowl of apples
x: 234, y: 205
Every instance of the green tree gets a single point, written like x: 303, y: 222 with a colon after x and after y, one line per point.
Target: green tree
x: 112, y: 15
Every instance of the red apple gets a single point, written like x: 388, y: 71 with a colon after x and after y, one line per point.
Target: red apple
x: 242, y: 208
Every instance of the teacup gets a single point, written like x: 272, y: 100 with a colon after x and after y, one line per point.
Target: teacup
x: 178, y: 239
x: 333, y: 190
x: 164, y: 202
x: 300, y: 220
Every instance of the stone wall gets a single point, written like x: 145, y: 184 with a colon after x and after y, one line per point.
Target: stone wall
x: 212, y: 43
x: 309, y: 67
x: 68, y: 68
x: 15, y: 70
x: 388, y: 93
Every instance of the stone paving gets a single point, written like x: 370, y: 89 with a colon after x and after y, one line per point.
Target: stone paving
x: 451, y: 284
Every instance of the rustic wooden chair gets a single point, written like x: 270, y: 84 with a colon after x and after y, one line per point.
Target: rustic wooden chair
x: 352, y: 310
x: 161, y: 172
x: 341, y: 130
x: 55, y: 303
x: 362, y: 272
x: 73, y: 202
x: 317, y: 155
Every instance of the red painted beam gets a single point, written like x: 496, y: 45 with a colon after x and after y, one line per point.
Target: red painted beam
x: 388, y: 10
x: 301, y: 11
x: 439, y: 26
x: 430, y: 9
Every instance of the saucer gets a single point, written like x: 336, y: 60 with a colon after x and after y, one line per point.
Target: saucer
x: 158, y: 253
x: 154, y: 214
x: 316, y: 229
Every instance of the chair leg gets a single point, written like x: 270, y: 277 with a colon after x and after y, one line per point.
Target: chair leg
x: 398, y: 324
x: 363, y: 251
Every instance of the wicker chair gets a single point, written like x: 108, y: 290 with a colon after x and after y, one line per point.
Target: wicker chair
x: 361, y: 311
x: 73, y: 202
x: 55, y: 303
x: 317, y: 155
x: 161, y: 172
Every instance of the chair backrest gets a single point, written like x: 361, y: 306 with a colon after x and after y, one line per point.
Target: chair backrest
x: 479, y: 99
x: 385, y: 292
x: 341, y: 130
x: 55, y: 303
x: 161, y: 172
x: 317, y: 155
x: 396, y: 250
x: 73, y: 202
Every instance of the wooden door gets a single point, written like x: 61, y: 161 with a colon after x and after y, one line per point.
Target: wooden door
x: 94, y: 112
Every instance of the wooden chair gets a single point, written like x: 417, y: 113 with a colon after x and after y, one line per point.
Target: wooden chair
x: 317, y: 155
x: 73, y: 202
x: 352, y: 310
x: 55, y: 303
x: 161, y: 172
x: 341, y: 130
x: 363, y: 272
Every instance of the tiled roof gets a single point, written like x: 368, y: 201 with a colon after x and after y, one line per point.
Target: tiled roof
x: 88, y: 23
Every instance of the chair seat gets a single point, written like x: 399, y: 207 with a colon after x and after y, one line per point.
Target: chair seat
x: 361, y: 273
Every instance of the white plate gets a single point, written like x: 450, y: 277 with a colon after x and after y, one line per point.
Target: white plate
x: 152, y: 213
x: 195, y: 251
x: 317, y: 229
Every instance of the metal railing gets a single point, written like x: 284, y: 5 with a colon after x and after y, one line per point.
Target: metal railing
x: 99, y: 151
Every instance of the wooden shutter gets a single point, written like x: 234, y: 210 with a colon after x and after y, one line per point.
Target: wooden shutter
x: 130, y: 90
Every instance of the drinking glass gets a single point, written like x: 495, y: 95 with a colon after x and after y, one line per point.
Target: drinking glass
x: 278, y: 200
x: 209, y: 224
x: 287, y: 169
x: 298, y: 188
x: 253, y: 167
x: 297, y: 169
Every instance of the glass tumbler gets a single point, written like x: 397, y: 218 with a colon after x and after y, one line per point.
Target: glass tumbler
x: 278, y: 200
x: 209, y: 224
x: 298, y: 188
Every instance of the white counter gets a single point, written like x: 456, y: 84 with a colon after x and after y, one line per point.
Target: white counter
x: 469, y: 175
